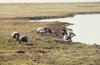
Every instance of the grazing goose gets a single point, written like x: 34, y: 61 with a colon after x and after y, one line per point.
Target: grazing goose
x: 16, y: 35
x: 44, y: 30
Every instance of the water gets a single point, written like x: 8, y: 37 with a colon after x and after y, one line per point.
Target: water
x: 86, y: 27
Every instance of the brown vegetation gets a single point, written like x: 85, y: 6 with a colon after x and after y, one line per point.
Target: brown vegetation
x: 46, y: 50
x: 47, y: 10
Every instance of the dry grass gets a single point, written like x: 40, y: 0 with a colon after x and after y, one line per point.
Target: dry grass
x: 47, y: 9
x: 45, y: 50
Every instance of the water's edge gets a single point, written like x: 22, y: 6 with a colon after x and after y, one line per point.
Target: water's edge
x: 49, y: 17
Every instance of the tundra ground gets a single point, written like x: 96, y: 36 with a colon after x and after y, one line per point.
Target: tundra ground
x: 42, y: 50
